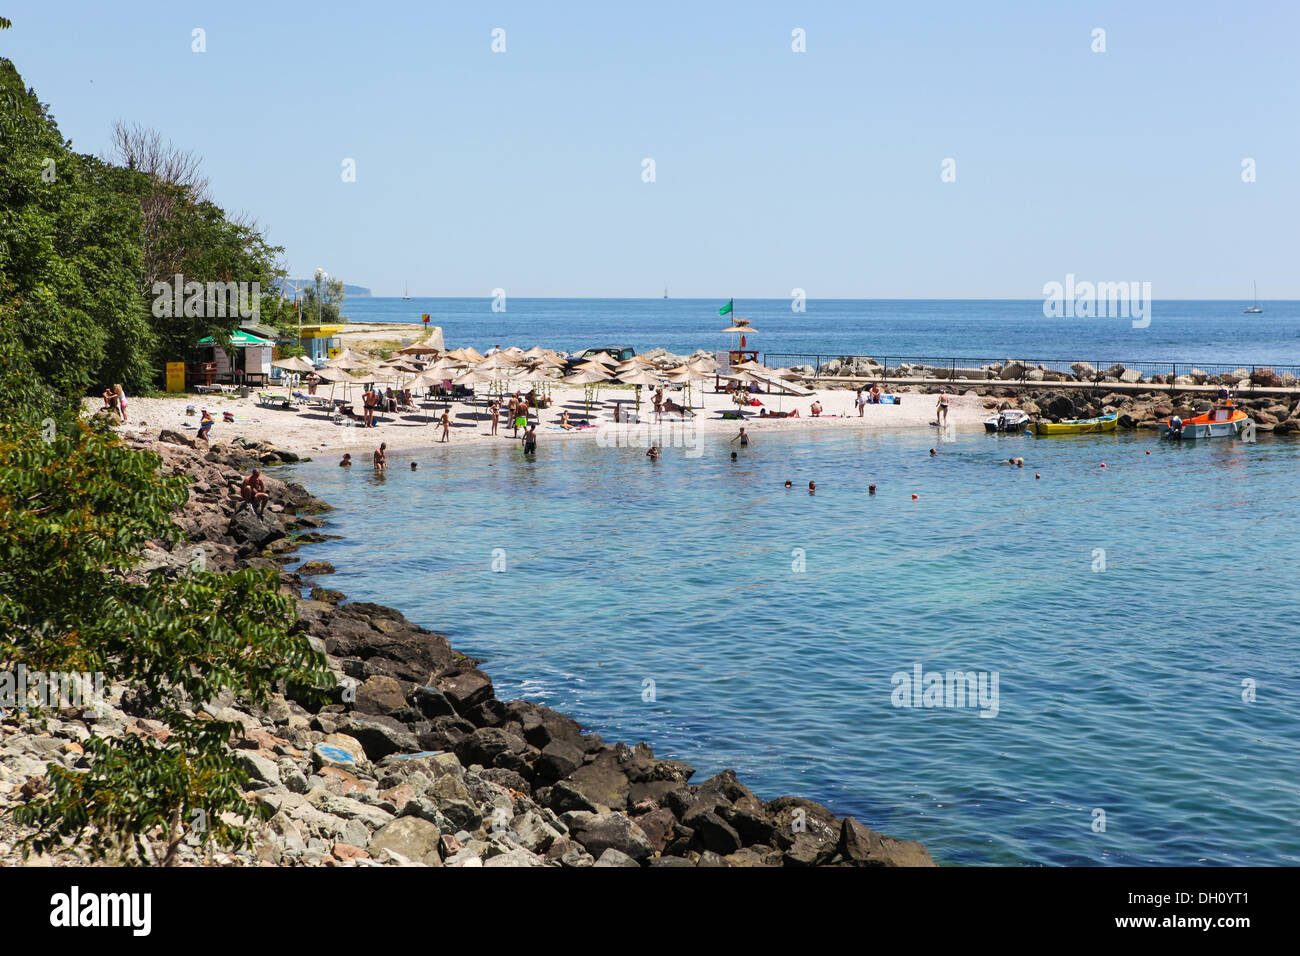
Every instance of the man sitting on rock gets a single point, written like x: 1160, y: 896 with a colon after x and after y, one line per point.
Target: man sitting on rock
x: 253, y: 491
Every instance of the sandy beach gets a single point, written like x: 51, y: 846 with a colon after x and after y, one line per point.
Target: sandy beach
x: 307, y: 431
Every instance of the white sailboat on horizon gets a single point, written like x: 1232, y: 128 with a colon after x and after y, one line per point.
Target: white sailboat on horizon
x: 1254, y: 309
x: 406, y: 291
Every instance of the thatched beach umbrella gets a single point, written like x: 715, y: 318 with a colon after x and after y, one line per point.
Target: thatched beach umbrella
x: 419, y: 348
x: 338, y: 376
x: 604, y: 358
x: 588, y: 379
x: 639, y: 377
x: 298, y: 363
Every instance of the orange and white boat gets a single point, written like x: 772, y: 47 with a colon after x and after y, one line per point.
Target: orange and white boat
x: 1222, y: 421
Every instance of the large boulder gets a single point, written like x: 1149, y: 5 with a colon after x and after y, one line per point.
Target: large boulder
x: 866, y: 847
x: 1059, y: 406
x: 597, y: 832
x: 485, y: 745
x: 380, y: 695
x: 412, y: 837
x: 1266, y: 378
x: 249, y: 528
x: 602, y: 781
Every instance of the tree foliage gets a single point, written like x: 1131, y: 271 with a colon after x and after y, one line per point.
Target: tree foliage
x: 77, y: 504
x: 84, y: 240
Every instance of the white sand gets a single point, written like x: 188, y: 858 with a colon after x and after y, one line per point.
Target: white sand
x: 310, y: 432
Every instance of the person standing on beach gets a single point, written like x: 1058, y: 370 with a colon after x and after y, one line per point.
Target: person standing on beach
x: 368, y: 409
x: 121, y: 401
x: 512, y: 408
x: 381, y: 456
x: 530, y: 440
x: 205, y: 425
x: 495, y: 411
x: 445, y: 422
x: 659, y: 404
x: 941, y: 410
x: 312, y: 381
x: 861, y: 401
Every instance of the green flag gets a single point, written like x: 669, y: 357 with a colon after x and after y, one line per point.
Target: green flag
x: 726, y: 309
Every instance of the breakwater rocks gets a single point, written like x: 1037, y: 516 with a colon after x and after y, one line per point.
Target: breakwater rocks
x: 862, y: 366
x: 1139, y: 409
x: 416, y: 762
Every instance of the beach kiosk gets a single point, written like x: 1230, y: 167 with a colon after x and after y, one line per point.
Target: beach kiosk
x: 250, y: 363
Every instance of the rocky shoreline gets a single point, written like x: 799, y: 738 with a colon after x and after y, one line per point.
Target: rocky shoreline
x: 416, y: 762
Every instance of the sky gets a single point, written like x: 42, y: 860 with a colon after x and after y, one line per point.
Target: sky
x: 774, y: 170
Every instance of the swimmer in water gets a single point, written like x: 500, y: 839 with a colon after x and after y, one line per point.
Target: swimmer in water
x: 812, y: 487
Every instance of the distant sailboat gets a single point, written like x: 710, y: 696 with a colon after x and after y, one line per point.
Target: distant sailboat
x: 406, y: 294
x: 665, y: 292
x: 1254, y: 309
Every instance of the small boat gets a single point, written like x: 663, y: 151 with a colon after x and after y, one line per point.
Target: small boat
x: 406, y: 292
x: 1078, y: 426
x: 1254, y: 309
x: 1222, y: 421
x: 1009, y: 420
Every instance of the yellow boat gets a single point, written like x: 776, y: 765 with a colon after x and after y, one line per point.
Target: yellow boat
x: 1077, y: 426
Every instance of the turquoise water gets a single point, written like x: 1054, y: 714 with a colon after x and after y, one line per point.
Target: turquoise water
x: 1199, y: 332
x: 1119, y: 687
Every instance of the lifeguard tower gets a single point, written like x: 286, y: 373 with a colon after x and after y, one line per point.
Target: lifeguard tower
x: 729, y: 360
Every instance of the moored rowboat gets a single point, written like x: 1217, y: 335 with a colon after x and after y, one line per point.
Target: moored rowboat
x: 1078, y: 426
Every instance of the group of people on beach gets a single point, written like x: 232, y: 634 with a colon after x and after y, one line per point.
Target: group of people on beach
x: 867, y: 397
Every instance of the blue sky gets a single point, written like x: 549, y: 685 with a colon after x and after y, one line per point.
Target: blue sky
x: 774, y: 169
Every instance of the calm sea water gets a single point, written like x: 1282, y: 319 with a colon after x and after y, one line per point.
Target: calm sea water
x: 1180, y: 331
x: 1122, y: 609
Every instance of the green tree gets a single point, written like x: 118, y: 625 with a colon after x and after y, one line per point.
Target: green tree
x: 69, y: 253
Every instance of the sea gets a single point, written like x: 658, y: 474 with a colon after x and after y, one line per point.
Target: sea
x: 1175, y: 331
x: 1090, y: 660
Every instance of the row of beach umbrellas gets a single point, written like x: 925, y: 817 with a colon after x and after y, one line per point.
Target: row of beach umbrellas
x: 426, y: 365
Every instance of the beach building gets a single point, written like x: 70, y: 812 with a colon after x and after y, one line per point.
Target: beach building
x: 247, y: 363
x: 320, y: 342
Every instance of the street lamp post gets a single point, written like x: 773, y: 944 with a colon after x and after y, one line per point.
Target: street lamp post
x: 321, y: 275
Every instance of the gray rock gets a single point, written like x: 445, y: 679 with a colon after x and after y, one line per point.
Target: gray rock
x: 534, y: 833
x: 866, y: 847
x: 412, y: 838
x: 515, y: 857
x: 613, y: 857
x: 262, y: 769
x: 349, y: 809
x: 600, y: 831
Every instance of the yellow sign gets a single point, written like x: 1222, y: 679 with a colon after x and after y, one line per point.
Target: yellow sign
x: 175, y: 376
x: 334, y: 353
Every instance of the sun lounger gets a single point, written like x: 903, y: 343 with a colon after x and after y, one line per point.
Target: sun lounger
x: 272, y: 400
